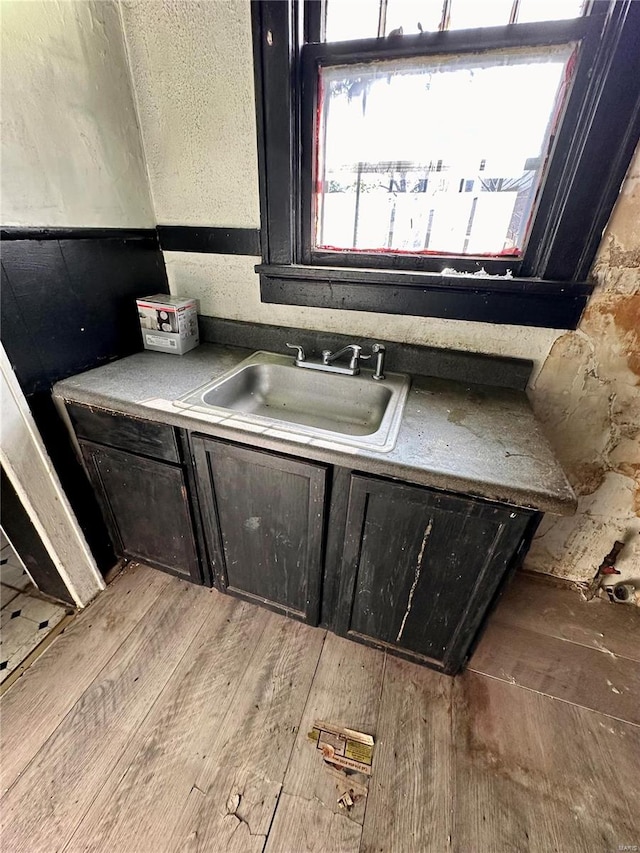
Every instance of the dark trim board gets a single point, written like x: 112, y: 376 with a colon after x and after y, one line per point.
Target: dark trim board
x: 171, y: 238
x: 219, y: 241
x: 454, y: 365
x: 476, y: 300
x: 23, y: 233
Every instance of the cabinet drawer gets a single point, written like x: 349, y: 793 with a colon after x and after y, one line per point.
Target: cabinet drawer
x: 145, y: 437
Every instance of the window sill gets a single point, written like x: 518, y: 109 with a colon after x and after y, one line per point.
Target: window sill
x: 479, y: 298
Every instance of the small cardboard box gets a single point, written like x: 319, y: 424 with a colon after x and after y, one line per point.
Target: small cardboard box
x: 168, y: 323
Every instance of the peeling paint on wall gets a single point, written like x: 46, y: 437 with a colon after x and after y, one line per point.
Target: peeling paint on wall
x: 587, y: 396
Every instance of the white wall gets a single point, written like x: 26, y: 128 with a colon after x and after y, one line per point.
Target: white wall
x: 191, y: 63
x: 70, y: 146
x: 192, y: 72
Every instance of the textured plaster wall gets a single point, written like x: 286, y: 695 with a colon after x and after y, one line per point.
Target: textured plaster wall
x: 191, y: 63
x: 70, y: 147
x: 587, y: 396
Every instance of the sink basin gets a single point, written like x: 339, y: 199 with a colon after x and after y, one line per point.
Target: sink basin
x: 268, y: 390
x: 351, y: 405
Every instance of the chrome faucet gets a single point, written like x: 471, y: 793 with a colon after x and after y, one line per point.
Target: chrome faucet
x: 355, y: 351
x: 301, y: 359
x: 329, y: 357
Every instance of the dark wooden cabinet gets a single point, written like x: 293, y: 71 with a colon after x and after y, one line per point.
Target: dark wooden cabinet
x: 420, y: 568
x: 398, y: 566
x: 146, y: 508
x: 264, y: 522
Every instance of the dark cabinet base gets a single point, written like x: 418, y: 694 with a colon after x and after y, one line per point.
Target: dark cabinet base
x: 400, y: 567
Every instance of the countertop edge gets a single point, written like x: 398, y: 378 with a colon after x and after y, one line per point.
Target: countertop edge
x: 359, y: 459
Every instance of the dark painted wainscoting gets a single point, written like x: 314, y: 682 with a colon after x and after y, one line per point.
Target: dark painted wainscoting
x: 68, y: 304
x: 217, y: 241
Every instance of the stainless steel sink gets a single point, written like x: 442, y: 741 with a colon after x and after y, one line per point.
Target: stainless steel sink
x: 268, y: 390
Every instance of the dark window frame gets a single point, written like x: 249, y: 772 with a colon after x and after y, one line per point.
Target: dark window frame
x: 550, y: 286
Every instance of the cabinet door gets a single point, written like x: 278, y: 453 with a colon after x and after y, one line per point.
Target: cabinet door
x: 264, y: 518
x: 146, y: 509
x: 420, y: 568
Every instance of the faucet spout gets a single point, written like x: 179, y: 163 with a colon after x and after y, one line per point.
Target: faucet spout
x: 354, y: 350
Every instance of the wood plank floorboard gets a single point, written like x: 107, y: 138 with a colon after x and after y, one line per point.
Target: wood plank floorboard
x: 346, y: 688
x: 173, y: 718
x: 150, y: 783
x: 307, y: 825
x: 237, y: 789
x: 536, y: 774
x: 587, y: 677
x: 41, y: 810
x: 410, y: 795
x: 534, y: 604
x: 70, y: 665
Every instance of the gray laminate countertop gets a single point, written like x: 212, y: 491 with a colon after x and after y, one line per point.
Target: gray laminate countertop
x: 472, y: 439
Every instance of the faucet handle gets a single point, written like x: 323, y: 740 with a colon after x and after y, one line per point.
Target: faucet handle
x: 356, y: 355
x: 300, y: 355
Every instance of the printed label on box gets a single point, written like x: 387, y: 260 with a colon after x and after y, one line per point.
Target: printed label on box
x: 157, y: 341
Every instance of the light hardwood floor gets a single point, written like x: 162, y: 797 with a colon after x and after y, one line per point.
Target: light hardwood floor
x: 169, y: 717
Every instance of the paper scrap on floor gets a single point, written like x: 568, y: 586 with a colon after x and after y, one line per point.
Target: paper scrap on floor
x: 344, y: 747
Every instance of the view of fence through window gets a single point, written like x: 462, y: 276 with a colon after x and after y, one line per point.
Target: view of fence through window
x: 359, y: 19
x: 436, y: 154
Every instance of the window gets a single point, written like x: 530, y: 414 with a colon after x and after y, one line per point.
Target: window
x: 443, y: 157
x: 459, y: 185
x: 358, y: 19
